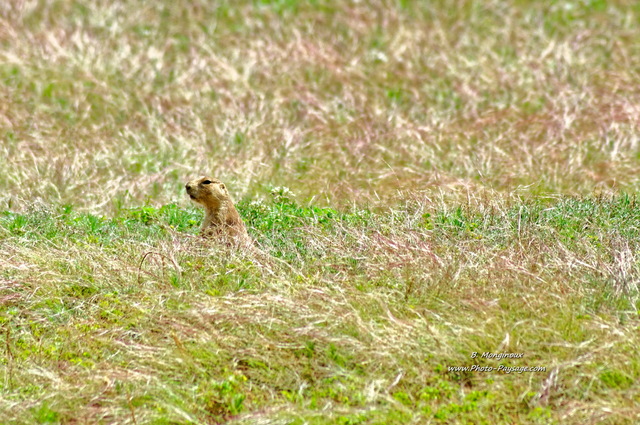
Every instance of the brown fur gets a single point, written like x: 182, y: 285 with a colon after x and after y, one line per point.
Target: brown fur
x: 221, y: 220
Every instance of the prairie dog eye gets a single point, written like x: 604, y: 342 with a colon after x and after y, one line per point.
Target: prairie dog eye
x: 206, y: 182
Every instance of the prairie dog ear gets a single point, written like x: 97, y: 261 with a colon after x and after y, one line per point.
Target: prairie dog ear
x: 222, y: 186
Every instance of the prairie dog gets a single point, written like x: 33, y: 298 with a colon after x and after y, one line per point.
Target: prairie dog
x: 221, y: 220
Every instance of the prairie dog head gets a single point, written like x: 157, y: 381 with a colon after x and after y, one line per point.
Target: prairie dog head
x: 207, y: 191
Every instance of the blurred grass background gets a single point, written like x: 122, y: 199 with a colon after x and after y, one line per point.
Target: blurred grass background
x: 115, y: 103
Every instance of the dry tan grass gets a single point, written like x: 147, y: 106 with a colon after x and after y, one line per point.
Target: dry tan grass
x: 361, y: 103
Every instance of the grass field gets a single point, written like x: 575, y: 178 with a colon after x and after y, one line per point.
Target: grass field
x: 424, y: 181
